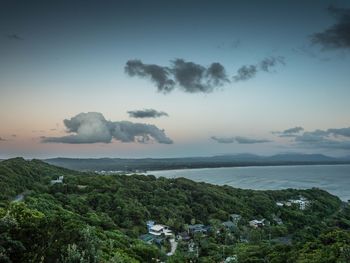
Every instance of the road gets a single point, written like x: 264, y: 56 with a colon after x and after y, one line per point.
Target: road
x: 173, y: 245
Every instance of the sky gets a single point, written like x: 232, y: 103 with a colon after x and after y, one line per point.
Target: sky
x: 174, y: 78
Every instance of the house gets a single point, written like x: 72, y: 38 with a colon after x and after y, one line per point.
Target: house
x: 277, y: 220
x: 302, y: 203
x: 149, y: 224
x: 57, y: 181
x: 231, y: 259
x: 229, y: 225
x: 257, y: 223
x: 151, y: 239
x: 158, y: 230
x: 197, y: 228
x: 235, y: 218
x: 184, y: 236
x: 158, y: 241
x: 148, y: 238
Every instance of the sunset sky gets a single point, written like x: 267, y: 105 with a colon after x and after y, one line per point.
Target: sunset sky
x: 174, y: 78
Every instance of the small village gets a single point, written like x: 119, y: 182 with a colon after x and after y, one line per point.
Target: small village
x: 164, y: 238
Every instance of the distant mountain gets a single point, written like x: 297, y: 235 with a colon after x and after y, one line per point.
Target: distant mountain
x: 119, y: 164
x: 298, y: 157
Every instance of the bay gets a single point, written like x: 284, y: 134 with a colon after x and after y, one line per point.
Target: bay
x: 332, y: 178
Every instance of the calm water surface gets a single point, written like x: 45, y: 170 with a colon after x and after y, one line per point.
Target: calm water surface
x: 332, y: 178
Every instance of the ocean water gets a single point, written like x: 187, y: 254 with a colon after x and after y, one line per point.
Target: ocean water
x: 332, y: 178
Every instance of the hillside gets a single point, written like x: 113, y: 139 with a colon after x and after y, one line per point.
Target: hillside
x: 95, y: 218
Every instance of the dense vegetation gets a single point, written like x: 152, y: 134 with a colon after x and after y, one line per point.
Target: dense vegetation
x: 95, y: 218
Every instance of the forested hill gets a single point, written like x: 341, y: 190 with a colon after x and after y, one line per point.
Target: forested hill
x: 94, y: 218
x: 120, y: 164
x: 18, y: 175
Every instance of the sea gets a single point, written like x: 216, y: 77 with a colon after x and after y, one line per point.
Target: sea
x: 333, y: 178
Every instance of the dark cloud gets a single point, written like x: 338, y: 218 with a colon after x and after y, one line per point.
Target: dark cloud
x: 323, y: 139
x: 2, y: 139
x: 310, y: 137
x: 195, y: 78
x: 147, y: 113
x: 291, y: 132
x: 247, y: 72
x: 189, y: 76
x: 314, y: 140
x: 342, y: 132
x: 159, y: 75
x: 92, y: 127
x: 216, y: 74
x: 238, y: 139
x: 245, y: 140
x: 14, y: 37
x: 320, y: 135
x: 338, y: 35
x: 223, y: 140
x: 294, y: 130
x: 270, y: 62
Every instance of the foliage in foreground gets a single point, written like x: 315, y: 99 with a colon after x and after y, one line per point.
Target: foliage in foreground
x: 94, y: 218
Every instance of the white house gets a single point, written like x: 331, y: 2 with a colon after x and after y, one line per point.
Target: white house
x: 257, y: 223
x: 302, y: 203
x: 57, y: 181
x: 158, y: 230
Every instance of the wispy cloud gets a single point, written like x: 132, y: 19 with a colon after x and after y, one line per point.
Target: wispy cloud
x: 14, y: 37
x: 234, y: 44
x: 92, y: 127
x: 147, y: 113
x: 223, y: 139
x: 333, y: 138
x: 337, y: 35
x: 291, y: 132
x: 247, y: 72
x: 238, y: 139
x: 245, y: 140
x: 270, y: 62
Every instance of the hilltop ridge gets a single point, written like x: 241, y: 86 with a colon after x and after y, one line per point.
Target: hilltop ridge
x: 132, y: 164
